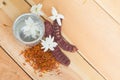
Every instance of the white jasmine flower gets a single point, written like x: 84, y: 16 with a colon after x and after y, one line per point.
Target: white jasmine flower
x: 36, y: 9
x: 56, y: 16
x: 48, y: 43
x: 31, y: 28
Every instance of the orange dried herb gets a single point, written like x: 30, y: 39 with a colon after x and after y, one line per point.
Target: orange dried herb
x: 40, y: 60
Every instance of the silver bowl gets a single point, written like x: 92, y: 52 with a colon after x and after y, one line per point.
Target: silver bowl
x: 20, y: 22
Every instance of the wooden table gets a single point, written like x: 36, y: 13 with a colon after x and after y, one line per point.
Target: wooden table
x: 86, y: 25
x: 9, y: 70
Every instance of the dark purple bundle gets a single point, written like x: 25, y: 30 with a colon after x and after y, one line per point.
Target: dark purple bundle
x: 55, y: 30
x: 65, y: 45
x: 60, y: 56
x: 48, y: 28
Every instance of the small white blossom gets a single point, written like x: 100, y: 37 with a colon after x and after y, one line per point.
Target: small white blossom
x: 56, y: 16
x: 31, y: 28
x: 36, y: 9
x: 48, y: 43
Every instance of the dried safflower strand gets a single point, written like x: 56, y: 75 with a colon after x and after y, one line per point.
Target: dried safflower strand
x: 40, y: 60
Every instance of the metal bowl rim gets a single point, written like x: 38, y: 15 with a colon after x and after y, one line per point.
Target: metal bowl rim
x: 32, y: 42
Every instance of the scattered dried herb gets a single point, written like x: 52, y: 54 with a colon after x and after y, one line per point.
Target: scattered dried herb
x: 40, y: 60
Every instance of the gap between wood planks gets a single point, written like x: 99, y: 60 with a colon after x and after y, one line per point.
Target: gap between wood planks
x: 16, y: 62
x: 114, y: 19
x: 79, y: 52
x: 30, y: 3
x: 81, y: 55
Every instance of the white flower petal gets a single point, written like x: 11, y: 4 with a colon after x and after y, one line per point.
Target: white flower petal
x: 25, y: 28
x: 33, y: 34
x: 48, y: 40
x: 27, y: 33
x: 40, y: 13
x: 55, y: 44
x: 51, y: 48
x: 60, y: 16
x: 45, y: 49
x: 52, y: 39
x: 42, y: 47
x: 45, y: 44
x: 34, y: 12
x: 48, y: 43
x: 56, y: 16
x: 30, y: 29
x: 54, y: 11
x: 29, y: 21
x: 36, y: 28
x: 59, y: 21
x: 52, y: 17
x: 39, y: 6
x: 42, y: 41
x: 36, y: 9
x: 33, y: 8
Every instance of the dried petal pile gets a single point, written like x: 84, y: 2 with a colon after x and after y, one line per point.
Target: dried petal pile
x: 40, y: 60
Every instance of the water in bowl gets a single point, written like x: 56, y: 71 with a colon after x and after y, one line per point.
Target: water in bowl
x: 21, y: 23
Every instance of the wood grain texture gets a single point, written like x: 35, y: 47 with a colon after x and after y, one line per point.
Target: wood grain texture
x: 94, y: 32
x: 78, y: 69
x: 112, y: 7
x: 9, y: 70
x: 8, y: 42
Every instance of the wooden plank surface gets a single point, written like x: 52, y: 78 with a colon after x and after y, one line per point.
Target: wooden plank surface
x: 9, y: 70
x: 79, y: 68
x: 111, y: 7
x: 94, y: 32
